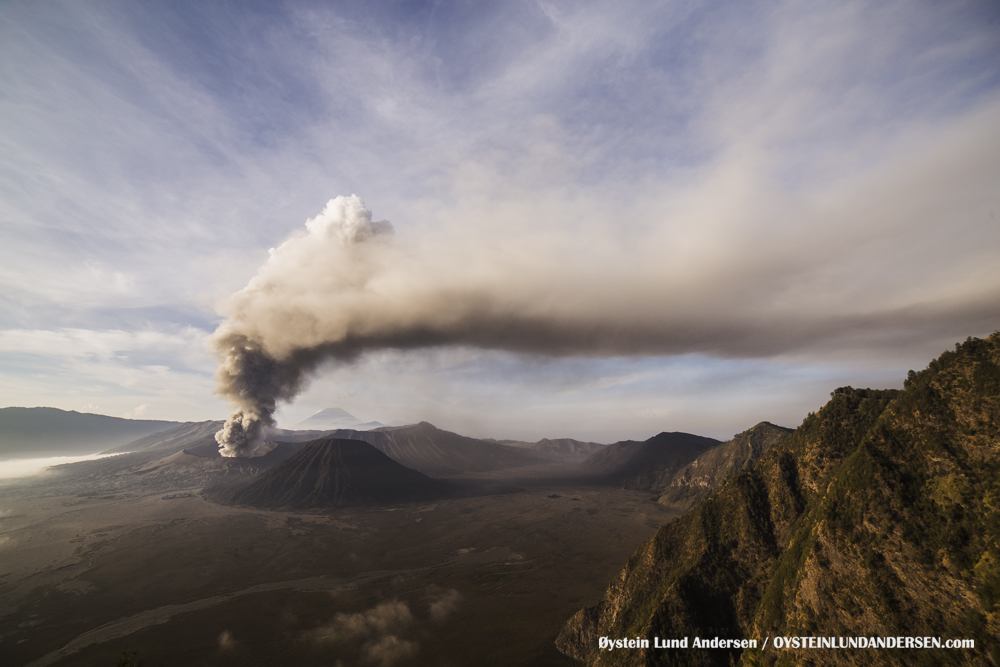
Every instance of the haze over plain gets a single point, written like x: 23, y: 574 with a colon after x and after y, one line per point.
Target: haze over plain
x: 714, y: 213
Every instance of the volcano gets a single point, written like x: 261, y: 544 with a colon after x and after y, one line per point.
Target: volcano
x: 332, y: 472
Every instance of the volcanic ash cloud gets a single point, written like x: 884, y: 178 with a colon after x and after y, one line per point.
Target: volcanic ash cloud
x: 346, y: 285
x: 598, y: 278
x: 291, y: 316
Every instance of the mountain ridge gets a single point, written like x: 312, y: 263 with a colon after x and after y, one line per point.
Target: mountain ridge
x: 878, y: 516
x: 697, y: 480
x: 559, y: 449
x: 439, y: 453
x: 649, y: 464
x: 44, y: 431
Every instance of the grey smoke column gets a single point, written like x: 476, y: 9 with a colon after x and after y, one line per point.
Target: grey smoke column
x: 524, y: 280
x: 255, y: 381
x: 261, y: 355
x: 346, y: 285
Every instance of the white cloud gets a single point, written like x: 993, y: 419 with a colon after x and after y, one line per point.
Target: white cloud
x: 138, y: 412
x: 184, y: 348
x: 79, y: 369
x: 807, y: 176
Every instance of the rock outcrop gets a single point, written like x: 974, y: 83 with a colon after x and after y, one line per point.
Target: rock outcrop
x: 878, y: 517
x: 707, y: 473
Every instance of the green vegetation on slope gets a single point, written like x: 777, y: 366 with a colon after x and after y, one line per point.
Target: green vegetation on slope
x: 877, y: 517
x: 703, y: 476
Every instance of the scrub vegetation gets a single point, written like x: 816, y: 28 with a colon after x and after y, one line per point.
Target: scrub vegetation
x: 878, y: 516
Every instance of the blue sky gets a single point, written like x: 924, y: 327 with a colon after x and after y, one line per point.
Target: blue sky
x: 795, y: 196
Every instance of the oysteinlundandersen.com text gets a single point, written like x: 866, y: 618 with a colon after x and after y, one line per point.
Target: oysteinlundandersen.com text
x: 609, y: 644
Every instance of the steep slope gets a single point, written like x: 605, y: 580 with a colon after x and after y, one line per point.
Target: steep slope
x: 34, y: 432
x: 611, y: 459
x: 335, y: 472
x: 200, y: 436
x: 184, y: 435
x: 565, y: 449
x: 700, y: 478
x: 879, y: 516
x: 203, y: 464
x: 428, y: 449
x: 647, y: 465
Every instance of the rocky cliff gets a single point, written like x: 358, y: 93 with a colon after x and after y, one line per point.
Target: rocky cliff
x: 879, y: 516
x: 700, y: 478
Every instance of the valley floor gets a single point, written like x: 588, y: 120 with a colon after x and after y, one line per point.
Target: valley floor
x: 485, y: 580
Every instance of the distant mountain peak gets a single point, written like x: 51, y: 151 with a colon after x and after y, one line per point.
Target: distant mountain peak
x: 333, y: 413
x: 332, y: 418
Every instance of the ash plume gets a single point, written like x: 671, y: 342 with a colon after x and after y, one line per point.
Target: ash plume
x: 260, y: 362
x: 578, y: 280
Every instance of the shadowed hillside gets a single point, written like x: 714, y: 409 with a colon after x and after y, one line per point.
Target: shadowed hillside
x: 428, y: 449
x: 558, y: 449
x: 646, y: 465
x: 335, y: 472
x: 184, y: 435
x: 204, y: 465
x: 34, y: 432
x: 879, y: 516
x: 700, y: 478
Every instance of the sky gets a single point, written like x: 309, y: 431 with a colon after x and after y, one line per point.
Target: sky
x: 608, y: 219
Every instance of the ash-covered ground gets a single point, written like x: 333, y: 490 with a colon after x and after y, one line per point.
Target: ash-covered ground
x: 118, y: 555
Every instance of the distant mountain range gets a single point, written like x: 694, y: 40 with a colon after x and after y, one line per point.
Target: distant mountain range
x: 200, y: 437
x: 422, y: 447
x: 440, y: 453
x: 38, y: 432
x: 41, y: 432
x: 877, y: 517
x: 682, y: 468
x: 559, y: 449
